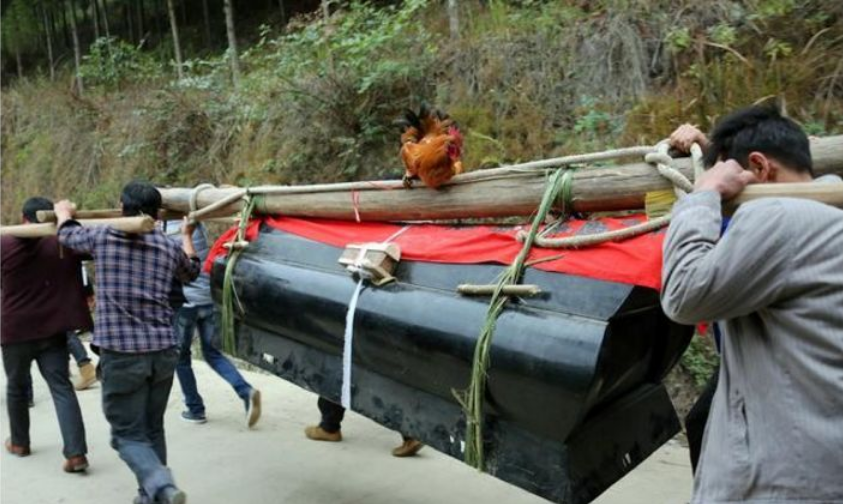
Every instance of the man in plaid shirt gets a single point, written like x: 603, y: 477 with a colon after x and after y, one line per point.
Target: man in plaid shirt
x: 133, y: 327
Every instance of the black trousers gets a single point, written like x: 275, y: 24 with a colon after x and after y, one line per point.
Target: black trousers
x: 51, y: 355
x: 696, y: 419
x: 332, y: 415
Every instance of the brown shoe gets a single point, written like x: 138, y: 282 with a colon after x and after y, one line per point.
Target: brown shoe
x: 87, y: 376
x: 20, y: 451
x: 76, y: 464
x: 317, y: 433
x: 408, y: 448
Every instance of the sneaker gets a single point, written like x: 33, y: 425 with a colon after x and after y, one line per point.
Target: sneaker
x: 317, y: 433
x: 197, y: 418
x: 20, y: 451
x: 142, y: 498
x: 408, y: 448
x: 253, y: 407
x: 87, y: 376
x: 171, y: 495
x: 76, y: 464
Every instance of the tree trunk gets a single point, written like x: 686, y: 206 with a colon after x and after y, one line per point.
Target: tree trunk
x: 130, y: 25
x: 232, y: 42
x: 453, y: 19
x: 326, y: 17
x: 104, y: 13
x: 77, y: 51
x: 49, y: 35
x: 174, y: 25
x: 184, y: 21
x: 95, y: 18
x: 283, y: 12
x: 18, y: 61
x: 206, y: 16
x: 65, y: 24
x: 139, y: 12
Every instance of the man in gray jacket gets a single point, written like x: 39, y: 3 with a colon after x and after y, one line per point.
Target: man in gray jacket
x: 774, y: 282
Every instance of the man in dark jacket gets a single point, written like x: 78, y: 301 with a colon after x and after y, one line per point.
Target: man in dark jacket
x: 42, y: 300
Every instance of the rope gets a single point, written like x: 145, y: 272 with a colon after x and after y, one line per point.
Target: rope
x: 194, y: 196
x: 355, y: 203
x: 229, y: 294
x: 472, y: 399
x: 662, y: 160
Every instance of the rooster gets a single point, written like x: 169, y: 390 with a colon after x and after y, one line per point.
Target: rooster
x: 431, y: 146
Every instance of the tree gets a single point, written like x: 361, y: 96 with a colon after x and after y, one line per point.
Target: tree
x: 20, y: 31
x: 174, y: 25
x: 453, y: 19
x: 283, y: 12
x: 232, y: 42
x: 77, y: 51
x: 207, y: 18
x: 48, y: 30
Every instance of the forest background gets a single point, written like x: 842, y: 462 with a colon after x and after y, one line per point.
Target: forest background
x: 98, y: 92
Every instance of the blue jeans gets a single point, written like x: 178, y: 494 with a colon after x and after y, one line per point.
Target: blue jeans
x: 207, y: 319
x: 135, y: 390
x: 77, y: 349
x: 51, y: 356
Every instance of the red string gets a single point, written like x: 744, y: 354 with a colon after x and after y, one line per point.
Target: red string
x: 355, y: 201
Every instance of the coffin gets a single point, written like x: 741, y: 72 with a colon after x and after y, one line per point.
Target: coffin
x: 574, y: 397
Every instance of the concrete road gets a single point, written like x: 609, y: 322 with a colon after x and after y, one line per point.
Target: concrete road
x: 222, y: 462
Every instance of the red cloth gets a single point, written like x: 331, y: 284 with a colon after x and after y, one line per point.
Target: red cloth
x: 636, y: 261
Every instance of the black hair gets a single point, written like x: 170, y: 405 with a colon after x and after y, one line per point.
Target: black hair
x: 32, y: 205
x: 140, y: 198
x: 762, y: 129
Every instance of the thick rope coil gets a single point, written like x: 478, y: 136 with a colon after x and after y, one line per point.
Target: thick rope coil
x: 194, y: 200
x: 662, y: 160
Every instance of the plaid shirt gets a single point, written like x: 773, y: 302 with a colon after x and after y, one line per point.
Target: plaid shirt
x: 134, y: 277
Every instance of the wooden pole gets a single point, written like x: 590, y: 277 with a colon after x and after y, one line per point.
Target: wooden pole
x: 143, y: 224
x: 107, y: 213
x: 500, y: 192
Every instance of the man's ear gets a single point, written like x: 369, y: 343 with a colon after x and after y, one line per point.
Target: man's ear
x: 760, y: 164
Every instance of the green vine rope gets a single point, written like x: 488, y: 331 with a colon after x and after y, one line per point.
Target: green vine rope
x: 228, y: 292
x: 472, y: 399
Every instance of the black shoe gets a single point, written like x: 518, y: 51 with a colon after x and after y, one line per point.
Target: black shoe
x: 197, y: 418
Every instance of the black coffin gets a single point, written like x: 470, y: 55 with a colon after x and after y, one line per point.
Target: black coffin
x: 574, y: 399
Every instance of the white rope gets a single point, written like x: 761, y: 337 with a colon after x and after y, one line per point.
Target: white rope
x: 681, y: 185
x: 347, y: 349
x: 348, y: 334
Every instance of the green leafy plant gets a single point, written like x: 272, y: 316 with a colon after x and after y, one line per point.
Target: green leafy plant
x: 111, y: 62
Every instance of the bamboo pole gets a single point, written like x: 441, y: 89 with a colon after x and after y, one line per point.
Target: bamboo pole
x: 106, y: 213
x: 521, y: 290
x: 142, y: 224
x: 501, y: 192
x: 828, y: 193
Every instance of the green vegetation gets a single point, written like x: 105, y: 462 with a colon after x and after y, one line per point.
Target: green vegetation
x: 525, y: 79
x: 700, y: 359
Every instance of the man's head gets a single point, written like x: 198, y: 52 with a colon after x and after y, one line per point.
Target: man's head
x: 760, y: 139
x: 31, y: 207
x: 140, y: 198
